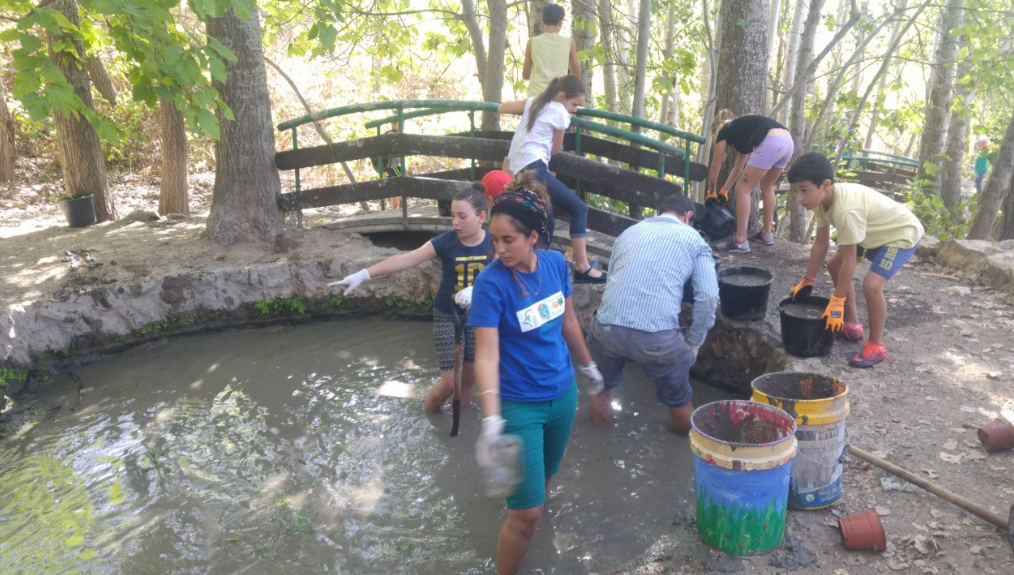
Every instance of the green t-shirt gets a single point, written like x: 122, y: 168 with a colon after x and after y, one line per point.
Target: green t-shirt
x: 981, y: 164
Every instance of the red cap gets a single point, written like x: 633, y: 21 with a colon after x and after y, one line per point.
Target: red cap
x: 495, y: 182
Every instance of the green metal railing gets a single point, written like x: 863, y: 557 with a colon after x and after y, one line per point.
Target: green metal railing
x: 434, y: 107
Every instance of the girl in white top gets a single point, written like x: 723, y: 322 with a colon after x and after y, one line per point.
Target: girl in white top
x: 538, y: 137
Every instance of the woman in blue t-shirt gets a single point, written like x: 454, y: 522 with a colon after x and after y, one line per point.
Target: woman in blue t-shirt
x: 463, y: 253
x: 524, y: 326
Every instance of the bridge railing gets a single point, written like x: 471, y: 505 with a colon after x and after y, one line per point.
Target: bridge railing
x: 422, y: 108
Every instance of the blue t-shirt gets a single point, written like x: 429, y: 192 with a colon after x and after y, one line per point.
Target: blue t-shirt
x: 461, y: 264
x: 534, y: 359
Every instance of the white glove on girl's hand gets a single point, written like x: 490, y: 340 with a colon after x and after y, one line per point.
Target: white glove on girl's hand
x: 464, y: 297
x: 596, y: 384
x: 352, y: 281
x: 693, y: 350
x: 492, y: 429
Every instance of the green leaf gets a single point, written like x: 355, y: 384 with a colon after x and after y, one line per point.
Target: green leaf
x: 327, y: 37
x: 218, y: 70
x: 10, y: 35
x: 222, y: 49
x: 208, y: 123
x: 243, y: 9
x: 25, y: 84
x: 30, y: 43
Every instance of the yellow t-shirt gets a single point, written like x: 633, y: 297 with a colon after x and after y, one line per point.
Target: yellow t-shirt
x: 550, y: 58
x: 869, y: 219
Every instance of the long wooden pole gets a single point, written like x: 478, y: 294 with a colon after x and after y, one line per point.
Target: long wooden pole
x: 933, y: 488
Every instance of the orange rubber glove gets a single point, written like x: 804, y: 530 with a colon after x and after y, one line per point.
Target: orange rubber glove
x: 723, y: 196
x: 803, y: 288
x: 835, y: 314
x: 712, y: 198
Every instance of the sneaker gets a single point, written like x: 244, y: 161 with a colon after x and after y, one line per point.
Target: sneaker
x: 767, y: 239
x: 585, y: 277
x: 871, y: 355
x: 739, y: 247
x: 851, y: 332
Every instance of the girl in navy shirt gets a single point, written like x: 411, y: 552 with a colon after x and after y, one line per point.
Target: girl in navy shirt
x: 463, y: 253
x: 526, y: 330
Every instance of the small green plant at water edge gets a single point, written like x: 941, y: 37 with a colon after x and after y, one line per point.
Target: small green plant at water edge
x: 10, y: 375
x: 336, y: 301
x: 302, y: 523
x: 157, y: 459
x: 293, y: 304
x: 405, y: 552
x: 261, y: 307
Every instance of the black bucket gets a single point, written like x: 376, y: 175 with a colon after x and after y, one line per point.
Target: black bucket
x: 806, y: 337
x: 688, y: 288
x: 79, y: 211
x: 715, y: 221
x: 745, y: 302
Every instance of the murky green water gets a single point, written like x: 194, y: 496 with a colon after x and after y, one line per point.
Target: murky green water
x: 306, y: 450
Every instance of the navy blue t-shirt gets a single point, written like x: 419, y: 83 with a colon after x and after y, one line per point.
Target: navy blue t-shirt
x: 461, y: 264
x: 534, y: 359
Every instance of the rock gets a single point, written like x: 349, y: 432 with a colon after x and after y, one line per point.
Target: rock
x: 927, y: 247
x: 960, y: 291
x: 965, y: 255
x: 722, y: 563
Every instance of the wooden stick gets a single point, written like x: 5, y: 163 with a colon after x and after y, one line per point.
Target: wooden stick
x: 459, y: 352
x: 933, y: 488
x: 941, y: 276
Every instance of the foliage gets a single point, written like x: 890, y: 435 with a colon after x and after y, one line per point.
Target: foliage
x: 292, y: 304
x: 12, y: 375
x: 261, y: 307
x: 937, y: 220
x: 157, y: 460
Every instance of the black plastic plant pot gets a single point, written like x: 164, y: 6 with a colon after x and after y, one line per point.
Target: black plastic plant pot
x: 716, y: 222
x: 79, y: 210
x: 745, y: 301
x: 805, y: 336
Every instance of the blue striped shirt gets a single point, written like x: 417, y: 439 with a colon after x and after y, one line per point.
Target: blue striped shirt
x: 651, y: 262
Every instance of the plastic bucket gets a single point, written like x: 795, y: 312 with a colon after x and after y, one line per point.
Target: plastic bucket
x: 863, y: 532
x: 820, y: 405
x: 79, y: 211
x: 742, y: 463
x: 997, y: 435
x: 805, y: 336
x: 744, y: 301
x: 715, y: 221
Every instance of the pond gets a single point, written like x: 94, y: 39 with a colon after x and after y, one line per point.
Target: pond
x: 306, y: 449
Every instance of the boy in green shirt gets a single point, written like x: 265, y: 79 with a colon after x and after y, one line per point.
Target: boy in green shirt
x: 549, y: 55
x: 885, y: 231
x: 981, y: 166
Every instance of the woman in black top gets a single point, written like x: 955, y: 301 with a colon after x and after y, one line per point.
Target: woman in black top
x: 765, y: 148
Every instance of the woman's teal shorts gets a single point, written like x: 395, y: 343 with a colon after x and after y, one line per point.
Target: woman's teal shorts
x: 544, y: 428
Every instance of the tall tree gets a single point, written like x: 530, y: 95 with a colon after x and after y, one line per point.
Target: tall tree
x: 641, y: 64
x: 8, y: 154
x: 941, y: 85
x: 742, y: 79
x: 492, y: 85
x: 245, y: 201
x: 996, y: 187
x: 84, y: 168
x: 535, y: 17
x: 880, y: 91
x: 669, y: 99
x: 776, y: 8
x: 173, y: 193
x: 797, y: 113
x: 100, y: 78
x: 605, y: 13
x: 1006, y: 231
x: 583, y: 22
x: 957, y: 138
x: 799, y: 12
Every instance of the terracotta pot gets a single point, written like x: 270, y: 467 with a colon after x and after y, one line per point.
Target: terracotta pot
x: 997, y: 435
x: 863, y: 532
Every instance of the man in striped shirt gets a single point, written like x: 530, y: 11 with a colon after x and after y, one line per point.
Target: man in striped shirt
x: 638, y: 319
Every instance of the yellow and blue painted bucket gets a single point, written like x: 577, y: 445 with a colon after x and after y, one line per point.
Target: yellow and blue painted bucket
x: 820, y: 406
x: 743, y: 454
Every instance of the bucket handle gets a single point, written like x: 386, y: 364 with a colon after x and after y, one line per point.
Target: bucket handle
x: 839, y: 461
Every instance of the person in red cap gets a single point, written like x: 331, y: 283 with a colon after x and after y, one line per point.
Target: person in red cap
x: 495, y: 182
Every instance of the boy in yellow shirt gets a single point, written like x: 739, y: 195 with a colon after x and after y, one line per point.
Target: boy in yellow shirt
x: 869, y: 225
x: 549, y: 55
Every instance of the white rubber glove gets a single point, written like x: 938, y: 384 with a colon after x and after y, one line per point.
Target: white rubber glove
x: 492, y: 429
x: 352, y: 281
x: 464, y: 297
x: 595, y: 383
x: 693, y: 350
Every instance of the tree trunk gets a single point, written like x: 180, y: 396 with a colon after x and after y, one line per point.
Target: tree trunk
x: 795, y: 32
x: 797, y: 114
x: 622, y: 44
x: 8, y: 154
x: 173, y: 195
x: 996, y: 187
x: 606, y: 37
x: 84, y: 168
x: 875, y: 113
x: 711, y: 73
x: 667, y: 52
x: 584, y: 38
x: 103, y: 83
x: 1006, y: 231
x: 935, y: 130
x: 245, y: 201
x: 535, y: 17
x: 471, y: 22
x: 776, y: 8
x: 957, y: 136
x: 492, y: 86
x: 741, y: 82
x: 641, y: 66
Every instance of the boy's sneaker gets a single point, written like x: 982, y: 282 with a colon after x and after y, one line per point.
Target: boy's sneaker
x: 738, y: 247
x: 767, y: 239
x: 851, y: 332
x: 871, y: 355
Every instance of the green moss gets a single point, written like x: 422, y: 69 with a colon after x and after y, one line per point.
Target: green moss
x: 12, y: 375
x: 336, y: 301
x: 261, y: 307
x: 292, y: 304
